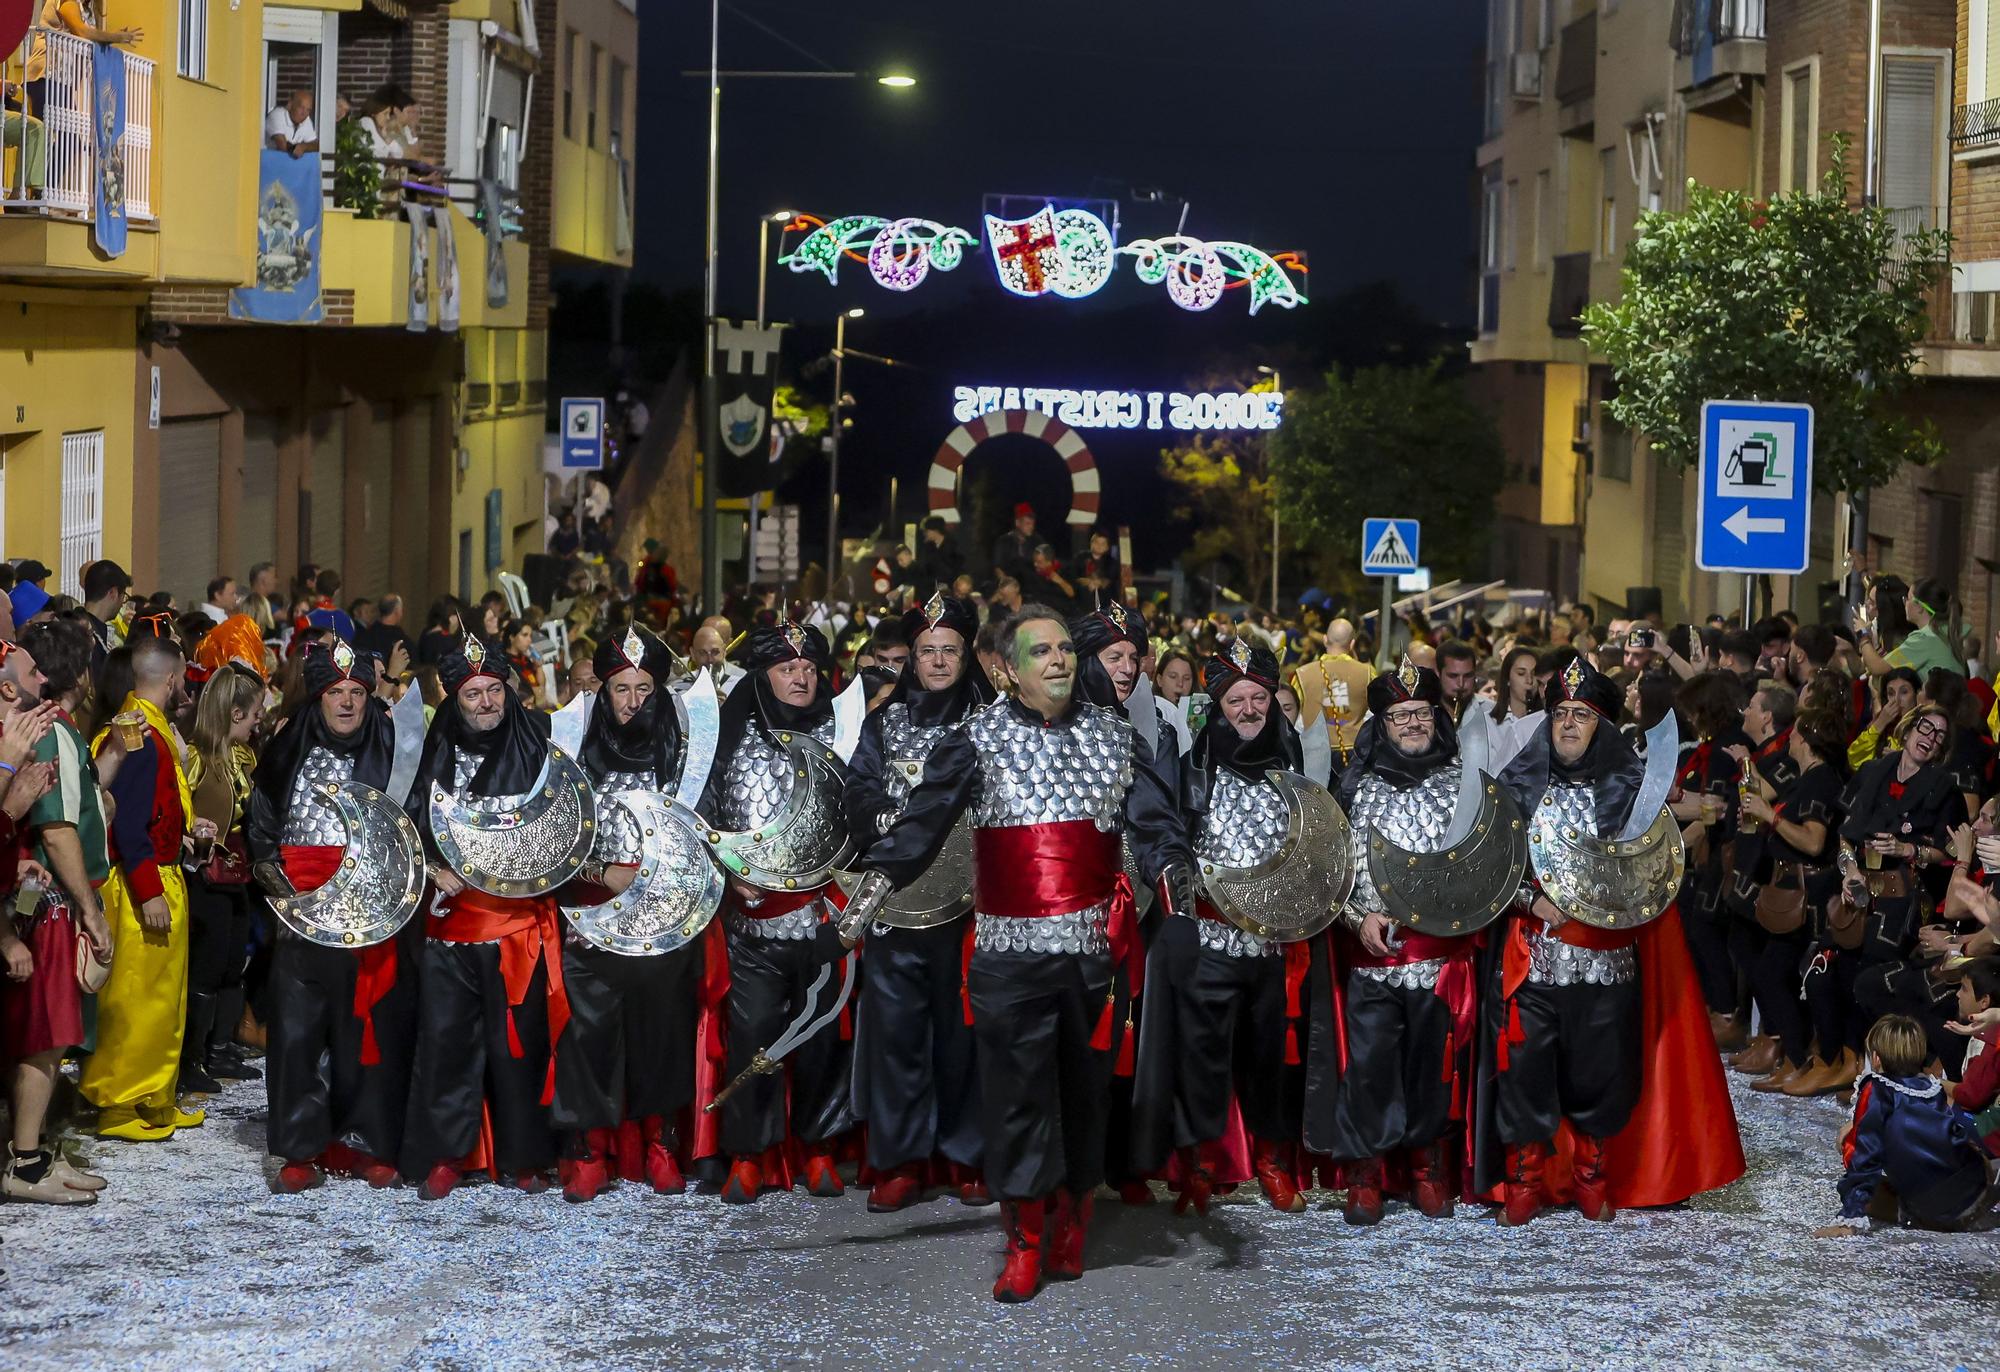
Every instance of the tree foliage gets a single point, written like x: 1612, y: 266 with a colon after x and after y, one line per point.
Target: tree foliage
x: 1401, y: 441
x: 1801, y: 298
x: 1226, y: 496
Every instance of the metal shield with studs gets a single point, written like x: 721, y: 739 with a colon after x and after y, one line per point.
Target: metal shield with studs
x: 378, y: 885
x: 1299, y: 889
x: 1461, y: 888
x: 675, y: 893
x: 944, y: 891
x: 798, y: 848
x: 529, y: 849
x: 1607, y: 883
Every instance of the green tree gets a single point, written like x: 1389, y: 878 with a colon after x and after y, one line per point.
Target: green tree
x: 1226, y: 494
x: 1403, y: 441
x: 1802, y: 298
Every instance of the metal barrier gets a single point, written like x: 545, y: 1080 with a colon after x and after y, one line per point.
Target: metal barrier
x: 51, y: 130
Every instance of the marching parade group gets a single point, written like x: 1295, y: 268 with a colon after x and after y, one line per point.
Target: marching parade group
x: 994, y: 930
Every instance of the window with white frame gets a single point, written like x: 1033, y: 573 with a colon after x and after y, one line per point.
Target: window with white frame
x: 1913, y: 139
x: 82, y: 529
x: 1982, y: 51
x: 191, y: 55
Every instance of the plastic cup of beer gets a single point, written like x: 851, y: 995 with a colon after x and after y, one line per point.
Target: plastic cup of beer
x: 131, y: 730
x: 1711, y: 809
x: 1871, y: 857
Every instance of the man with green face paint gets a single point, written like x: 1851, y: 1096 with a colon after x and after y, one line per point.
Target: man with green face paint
x: 1051, y: 782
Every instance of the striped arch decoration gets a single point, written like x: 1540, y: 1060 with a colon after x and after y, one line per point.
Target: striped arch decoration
x: 1069, y: 446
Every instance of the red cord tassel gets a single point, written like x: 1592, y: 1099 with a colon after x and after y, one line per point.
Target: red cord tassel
x: 1450, y: 1054
x: 1127, y: 1051
x: 1515, y: 1034
x: 1100, y: 1038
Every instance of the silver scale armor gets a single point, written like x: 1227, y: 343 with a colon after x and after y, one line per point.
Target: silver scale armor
x: 1416, y: 819
x: 902, y: 740
x: 618, y: 836
x: 1551, y: 962
x: 1032, y: 774
x: 755, y: 786
x: 465, y: 766
x: 311, y: 821
x: 1245, y: 824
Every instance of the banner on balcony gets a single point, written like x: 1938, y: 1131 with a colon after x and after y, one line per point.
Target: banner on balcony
x: 108, y: 127
x: 492, y: 210
x: 420, y: 266
x: 447, y: 270
x: 288, y: 244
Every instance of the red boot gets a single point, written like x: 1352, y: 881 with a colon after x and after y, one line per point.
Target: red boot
x: 628, y: 1151
x: 295, y: 1177
x: 1135, y: 1193
x: 972, y: 1191
x: 821, y: 1179
x: 584, y: 1177
x: 663, y: 1174
x: 1273, y: 1165
x: 1430, y: 1186
x: 1593, y: 1197
x: 746, y: 1181
x: 895, y: 1190
x: 1364, y: 1192
x: 443, y: 1179
x: 377, y: 1173
x: 1021, y: 1278
x: 529, y: 1183
x: 1523, y: 1189
x: 1197, y: 1186
x: 1069, y: 1227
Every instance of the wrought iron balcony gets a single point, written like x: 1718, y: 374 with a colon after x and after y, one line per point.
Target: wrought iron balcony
x: 1976, y: 126
x: 1699, y: 23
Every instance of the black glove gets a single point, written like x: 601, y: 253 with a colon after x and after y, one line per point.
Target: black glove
x: 1177, y: 891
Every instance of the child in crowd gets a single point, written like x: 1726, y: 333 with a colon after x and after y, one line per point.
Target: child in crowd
x: 1978, y: 1093
x: 1912, y: 1156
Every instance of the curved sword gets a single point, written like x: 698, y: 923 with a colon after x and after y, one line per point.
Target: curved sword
x: 406, y: 717
x: 1142, y: 708
x: 766, y: 1060
x: 1475, y: 753
x: 1663, y: 759
x: 702, y: 728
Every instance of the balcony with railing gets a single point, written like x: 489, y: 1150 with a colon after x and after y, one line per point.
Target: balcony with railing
x: 1716, y: 38
x: 1569, y: 293
x: 50, y: 169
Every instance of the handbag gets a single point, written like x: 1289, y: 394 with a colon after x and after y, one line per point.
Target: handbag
x: 228, y: 862
x: 91, y: 975
x: 1846, y: 925
x: 1782, y: 909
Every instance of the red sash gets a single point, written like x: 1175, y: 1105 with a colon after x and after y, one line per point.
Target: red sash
x: 1038, y: 871
x: 526, y: 928
x: 308, y: 869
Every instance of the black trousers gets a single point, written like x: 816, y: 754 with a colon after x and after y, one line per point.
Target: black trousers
x: 1774, y: 981
x: 1396, y: 1093
x: 916, y: 1079
x: 1746, y: 939
x: 1042, y: 1087
x: 465, y: 1065
x: 1907, y: 988
x: 1580, y: 1060
x: 768, y: 983
x: 218, y: 936
x: 1232, y: 1038
x: 1708, y: 931
x: 1829, y: 996
x: 628, y: 1050
x: 319, y: 1091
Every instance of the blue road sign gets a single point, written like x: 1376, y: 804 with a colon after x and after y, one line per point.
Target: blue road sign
x: 1388, y: 547
x: 1754, y: 510
x: 583, y: 435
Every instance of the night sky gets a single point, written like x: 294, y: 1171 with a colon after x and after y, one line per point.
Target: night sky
x: 1340, y: 129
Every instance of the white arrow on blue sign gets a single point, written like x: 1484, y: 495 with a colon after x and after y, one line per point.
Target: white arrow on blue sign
x: 583, y: 434
x: 1388, y: 547
x: 1753, y: 513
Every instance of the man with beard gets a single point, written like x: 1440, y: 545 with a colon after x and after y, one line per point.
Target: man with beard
x: 493, y: 998
x: 1050, y: 782
x: 1407, y: 1011
x: 772, y: 958
x: 914, y: 1081
x: 625, y: 1066
x: 1216, y: 1022
x: 343, y: 1021
x: 1600, y: 1039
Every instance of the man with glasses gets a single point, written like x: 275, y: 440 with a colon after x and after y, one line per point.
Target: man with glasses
x: 914, y: 1082
x: 1408, y: 1009
x: 1576, y: 1013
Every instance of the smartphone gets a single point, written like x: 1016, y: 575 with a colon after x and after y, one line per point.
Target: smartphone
x: 1644, y: 638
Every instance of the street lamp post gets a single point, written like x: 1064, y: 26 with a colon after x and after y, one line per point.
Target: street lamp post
x: 711, y: 560
x: 833, y: 449
x: 764, y: 224
x: 1278, y: 385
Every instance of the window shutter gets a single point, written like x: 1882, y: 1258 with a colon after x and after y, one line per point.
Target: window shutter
x: 1909, y: 134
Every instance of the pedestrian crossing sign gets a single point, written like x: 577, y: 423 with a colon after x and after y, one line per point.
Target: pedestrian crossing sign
x: 1388, y: 546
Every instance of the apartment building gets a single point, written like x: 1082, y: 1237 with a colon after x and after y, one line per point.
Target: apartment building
x: 153, y: 406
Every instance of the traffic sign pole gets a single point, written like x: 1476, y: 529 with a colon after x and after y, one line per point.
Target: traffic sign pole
x: 1388, y: 608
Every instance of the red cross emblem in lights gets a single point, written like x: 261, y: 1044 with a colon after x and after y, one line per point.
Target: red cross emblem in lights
x: 1020, y: 246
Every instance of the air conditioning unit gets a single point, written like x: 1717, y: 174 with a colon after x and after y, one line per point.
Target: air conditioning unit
x: 1527, y: 82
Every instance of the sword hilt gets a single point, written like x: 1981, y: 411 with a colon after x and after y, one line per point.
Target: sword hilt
x: 760, y: 1066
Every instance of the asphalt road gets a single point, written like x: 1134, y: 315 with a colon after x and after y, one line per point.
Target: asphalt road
x: 189, y: 1262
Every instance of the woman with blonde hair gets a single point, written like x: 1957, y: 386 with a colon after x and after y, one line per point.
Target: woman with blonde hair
x: 220, y: 758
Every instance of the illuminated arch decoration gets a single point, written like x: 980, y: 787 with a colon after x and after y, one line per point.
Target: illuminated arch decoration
x: 1084, y: 487
x: 899, y: 253
x: 1068, y: 252
x: 1198, y: 272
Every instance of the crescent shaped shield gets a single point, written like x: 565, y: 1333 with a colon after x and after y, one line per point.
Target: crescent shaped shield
x: 674, y: 895
x: 1607, y: 883
x: 799, y: 847
x: 526, y: 851
x: 1460, y: 889
x: 944, y: 891
x: 1297, y: 891
x: 378, y: 885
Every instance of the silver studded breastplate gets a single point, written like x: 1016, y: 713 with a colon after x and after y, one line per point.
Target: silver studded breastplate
x: 758, y: 779
x: 311, y: 821
x: 904, y: 741
x: 1245, y: 824
x: 1416, y: 819
x: 1030, y: 773
x: 618, y: 836
x: 465, y: 766
x: 1551, y: 962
